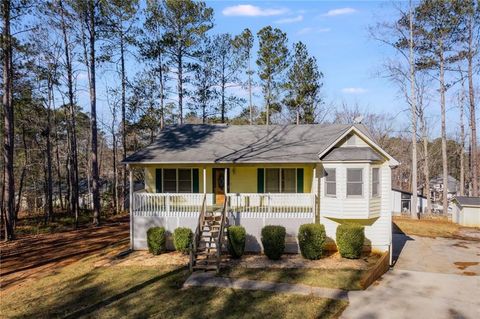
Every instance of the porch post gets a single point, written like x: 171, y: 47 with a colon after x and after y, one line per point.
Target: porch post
x: 130, y: 204
x: 204, y: 180
x: 226, y: 182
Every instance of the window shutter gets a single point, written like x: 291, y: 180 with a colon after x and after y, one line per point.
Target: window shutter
x: 299, y: 180
x: 158, y: 180
x: 260, y: 180
x: 195, y: 179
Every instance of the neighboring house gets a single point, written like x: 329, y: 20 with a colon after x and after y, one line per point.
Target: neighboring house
x: 402, y: 201
x: 467, y: 212
x: 436, y: 188
x: 271, y: 175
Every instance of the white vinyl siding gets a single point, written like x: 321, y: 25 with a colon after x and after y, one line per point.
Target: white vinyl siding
x: 354, y: 182
x: 331, y: 182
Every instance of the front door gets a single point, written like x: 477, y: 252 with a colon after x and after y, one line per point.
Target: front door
x: 219, y: 185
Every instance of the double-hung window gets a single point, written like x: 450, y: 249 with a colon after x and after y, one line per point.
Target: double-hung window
x: 177, y: 180
x: 375, y: 182
x: 354, y: 182
x: 331, y: 182
x: 280, y: 180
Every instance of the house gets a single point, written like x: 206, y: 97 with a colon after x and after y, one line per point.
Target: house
x: 436, y: 187
x: 260, y: 175
x: 467, y: 212
x: 402, y: 201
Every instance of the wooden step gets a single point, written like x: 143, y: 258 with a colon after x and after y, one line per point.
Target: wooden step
x: 205, y: 267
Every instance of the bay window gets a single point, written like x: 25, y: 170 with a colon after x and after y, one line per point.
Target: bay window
x: 354, y: 182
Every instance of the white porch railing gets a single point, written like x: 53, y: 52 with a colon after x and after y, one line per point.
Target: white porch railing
x: 166, y: 204
x: 272, y: 203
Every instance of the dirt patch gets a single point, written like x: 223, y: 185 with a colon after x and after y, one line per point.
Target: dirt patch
x: 469, y: 273
x: 333, y: 261
x: 462, y: 265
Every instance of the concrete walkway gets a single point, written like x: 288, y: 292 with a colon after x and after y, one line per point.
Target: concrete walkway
x: 210, y: 280
x: 433, y: 278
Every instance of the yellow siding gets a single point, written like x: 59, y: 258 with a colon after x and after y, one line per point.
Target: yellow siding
x: 243, y: 177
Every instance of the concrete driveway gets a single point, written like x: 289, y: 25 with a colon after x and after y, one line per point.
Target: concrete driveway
x: 432, y: 278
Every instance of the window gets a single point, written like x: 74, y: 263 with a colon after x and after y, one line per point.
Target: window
x: 177, y: 181
x: 288, y: 181
x: 272, y: 180
x: 184, y: 180
x: 170, y: 180
x: 331, y: 182
x: 375, y: 182
x: 280, y: 180
x: 354, y: 182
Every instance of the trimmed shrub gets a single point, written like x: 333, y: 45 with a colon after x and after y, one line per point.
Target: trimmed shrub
x: 311, y: 238
x: 236, y: 241
x: 156, y: 239
x: 182, y: 237
x: 350, y: 240
x: 273, y: 241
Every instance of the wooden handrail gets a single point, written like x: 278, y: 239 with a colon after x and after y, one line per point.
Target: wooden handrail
x: 221, y: 232
x: 196, y: 237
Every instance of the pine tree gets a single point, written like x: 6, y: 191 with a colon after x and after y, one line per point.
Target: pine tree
x: 272, y: 60
x: 303, y: 85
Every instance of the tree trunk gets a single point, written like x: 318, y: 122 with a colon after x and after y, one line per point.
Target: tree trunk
x: 49, y: 185
x: 413, y: 207
x: 124, y: 118
x: 462, y: 144
x: 180, y: 88
x: 444, y: 134
x: 162, y: 102
x: 22, y: 176
x: 426, y: 167
x: 8, y: 145
x: 73, y: 198
x: 115, y: 176
x: 93, y: 106
x: 250, y: 90
x: 473, y: 124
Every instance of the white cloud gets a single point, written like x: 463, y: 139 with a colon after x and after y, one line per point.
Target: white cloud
x: 312, y: 30
x: 252, y: 11
x: 290, y: 20
x: 341, y: 11
x: 354, y: 90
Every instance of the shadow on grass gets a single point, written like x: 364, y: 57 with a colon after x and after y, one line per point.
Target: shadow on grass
x: 126, y: 293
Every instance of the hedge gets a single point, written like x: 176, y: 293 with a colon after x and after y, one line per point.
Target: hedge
x: 350, y: 240
x: 182, y: 237
x: 273, y: 241
x: 156, y: 239
x: 236, y: 241
x: 311, y: 238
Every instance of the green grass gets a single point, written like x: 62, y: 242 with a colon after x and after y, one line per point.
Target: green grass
x: 347, y: 279
x: 83, y: 290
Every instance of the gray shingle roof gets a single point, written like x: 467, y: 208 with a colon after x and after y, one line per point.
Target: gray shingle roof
x: 352, y: 154
x: 199, y: 143
x: 468, y: 201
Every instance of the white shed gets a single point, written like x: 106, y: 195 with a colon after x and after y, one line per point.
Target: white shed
x: 401, y: 202
x: 468, y: 211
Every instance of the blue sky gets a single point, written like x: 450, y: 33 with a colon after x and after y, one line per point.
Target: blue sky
x: 335, y: 32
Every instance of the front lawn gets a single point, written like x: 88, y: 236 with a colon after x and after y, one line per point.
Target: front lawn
x: 103, y: 287
x: 346, y: 279
x: 330, y: 271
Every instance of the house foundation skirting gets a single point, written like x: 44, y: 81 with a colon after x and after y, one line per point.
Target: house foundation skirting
x: 377, y: 232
